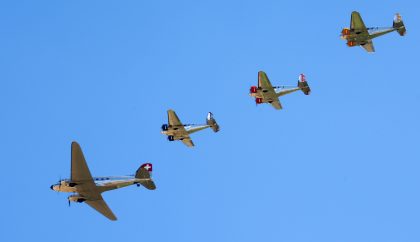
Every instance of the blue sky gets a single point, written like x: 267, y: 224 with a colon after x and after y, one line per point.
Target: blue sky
x: 338, y: 165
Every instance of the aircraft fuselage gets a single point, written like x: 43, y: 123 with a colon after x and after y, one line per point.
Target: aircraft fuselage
x: 355, y: 38
x: 178, y: 133
x: 102, y: 183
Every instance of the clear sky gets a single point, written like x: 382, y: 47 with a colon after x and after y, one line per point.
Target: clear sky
x: 340, y: 165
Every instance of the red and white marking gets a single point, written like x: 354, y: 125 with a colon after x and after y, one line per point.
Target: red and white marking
x: 147, y: 166
x: 302, y: 78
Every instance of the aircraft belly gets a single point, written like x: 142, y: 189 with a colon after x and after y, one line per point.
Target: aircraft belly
x: 115, y: 185
x: 360, y: 38
x: 177, y: 132
x: 173, y: 133
x: 267, y: 97
x: 258, y: 95
x: 68, y: 189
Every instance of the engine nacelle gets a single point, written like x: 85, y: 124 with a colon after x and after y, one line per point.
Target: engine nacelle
x: 345, y: 32
x: 76, y: 198
x: 351, y: 43
x: 171, y: 138
x: 253, y: 89
x: 164, y: 127
x: 258, y: 100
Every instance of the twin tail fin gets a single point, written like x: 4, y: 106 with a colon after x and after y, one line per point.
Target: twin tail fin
x: 144, y: 173
x: 303, y: 85
x: 212, y: 122
x: 398, y: 24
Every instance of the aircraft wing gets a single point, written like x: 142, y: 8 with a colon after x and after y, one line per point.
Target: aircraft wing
x: 188, y: 142
x: 173, y: 119
x: 86, y: 187
x: 263, y: 81
x: 276, y: 104
x: 79, y: 169
x: 369, y: 46
x: 101, y: 206
x: 356, y: 23
x: 268, y: 92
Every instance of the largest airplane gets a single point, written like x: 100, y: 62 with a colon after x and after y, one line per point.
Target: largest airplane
x: 359, y: 35
x: 88, y: 189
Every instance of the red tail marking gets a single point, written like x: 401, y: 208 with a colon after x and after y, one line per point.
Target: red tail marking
x: 147, y: 166
x: 302, y: 78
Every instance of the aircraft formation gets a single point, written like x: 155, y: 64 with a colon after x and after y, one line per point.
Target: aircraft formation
x: 88, y: 189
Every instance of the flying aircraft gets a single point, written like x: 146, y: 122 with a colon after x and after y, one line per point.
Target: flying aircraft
x: 266, y: 93
x: 358, y: 34
x: 88, y: 189
x: 175, y: 130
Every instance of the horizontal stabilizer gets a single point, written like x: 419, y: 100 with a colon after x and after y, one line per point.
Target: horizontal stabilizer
x: 145, y: 173
x: 303, y: 85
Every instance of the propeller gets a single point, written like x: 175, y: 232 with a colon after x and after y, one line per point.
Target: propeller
x: 69, y: 202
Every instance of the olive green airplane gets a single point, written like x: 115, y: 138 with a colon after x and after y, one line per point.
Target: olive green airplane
x: 266, y: 93
x: 359, y: 35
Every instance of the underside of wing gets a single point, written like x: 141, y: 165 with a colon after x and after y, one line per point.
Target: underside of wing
x: 100, y: 206
x: 276, y: 104
x: 188, y: 142
x: 79, y: 169
x: 356, y: 23
x: 173, y: 119
x: 263, y: 81
x: 369, y: 46
x: 268, y: 92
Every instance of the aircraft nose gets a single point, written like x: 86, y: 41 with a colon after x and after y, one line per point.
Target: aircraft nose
x: 52, y: 187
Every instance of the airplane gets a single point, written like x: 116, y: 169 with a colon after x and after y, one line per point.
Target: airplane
x: 359, y: 35
x: 88, y: 189
x: 266, y: 93
x: 175, y: 130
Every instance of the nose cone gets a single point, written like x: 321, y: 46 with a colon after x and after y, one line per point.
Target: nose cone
x: 52, y: 187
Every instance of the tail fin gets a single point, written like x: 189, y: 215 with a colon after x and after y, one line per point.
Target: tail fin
x: 145, y: 173
x: 212, y: 122
x: 303, y: 85
x: 398, y: 24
